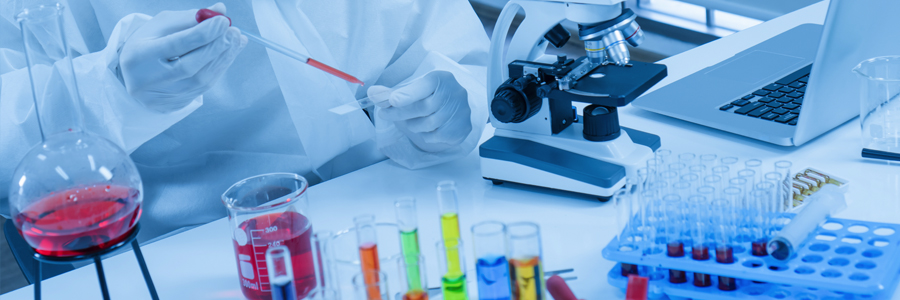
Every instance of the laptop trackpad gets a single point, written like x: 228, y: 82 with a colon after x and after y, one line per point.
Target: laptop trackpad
x: 755, y: 66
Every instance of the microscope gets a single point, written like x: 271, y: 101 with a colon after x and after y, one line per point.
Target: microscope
x: 540, y: 137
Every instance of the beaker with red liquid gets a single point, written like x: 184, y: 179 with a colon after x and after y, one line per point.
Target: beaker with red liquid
x: 265, y: 211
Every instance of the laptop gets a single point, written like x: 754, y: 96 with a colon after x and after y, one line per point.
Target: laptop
x: 792, y: 87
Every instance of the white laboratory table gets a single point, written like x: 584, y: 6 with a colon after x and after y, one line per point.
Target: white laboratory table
x: 200, y: 263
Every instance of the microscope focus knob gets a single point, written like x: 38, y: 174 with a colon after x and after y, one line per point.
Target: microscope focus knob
x: 516, y: 100
x: 601, y: 123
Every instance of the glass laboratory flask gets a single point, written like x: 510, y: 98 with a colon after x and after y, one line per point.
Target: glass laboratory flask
x: 265, y: 211
x: 879, y: 107
x: 74, y: 194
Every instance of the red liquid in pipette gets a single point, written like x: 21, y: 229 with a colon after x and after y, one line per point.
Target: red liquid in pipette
x: 79, y: 221
x: 290, y: 229
x: 368, y: 258
x: 204, y: 14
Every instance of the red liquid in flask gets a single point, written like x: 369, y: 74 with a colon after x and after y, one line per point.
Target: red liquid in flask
x: 290, y: 229
x: 79, y: 221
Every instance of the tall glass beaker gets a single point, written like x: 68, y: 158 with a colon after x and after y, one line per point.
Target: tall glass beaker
x: 879, y: 105
x: 267, y: 211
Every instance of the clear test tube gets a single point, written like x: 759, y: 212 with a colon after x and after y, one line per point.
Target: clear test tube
x: 748, y: 174
x: 741, y: 208
x: 643, y: 174
x: 453, y: 277
x: 682, y: 189
x: 709, y: 193
x: 780, y: 199
x: 728, y: 161
x: 650, y: 221
x: 368, y: 254
x: 668, y: 177
x: 674, y: 223
x: 698, y: 229
x: 526, y: 264
x: 735, y: 197
x: 281, y: 273
x: 664, y: 154
x: 709, y: 160
x: 699, y: 169
x: 408, y: 290
x: 687, y: 158
x: 756, y: 166
x: 723, y: 172
x: 491, y: 266
x: 625, y: 233
x: 328, y: 285
x: 654, y: 167
x: 714, y: 181
x: 692, y: 178
x: 783, y: 167
x: 677, y: 167
x: 408, y: 225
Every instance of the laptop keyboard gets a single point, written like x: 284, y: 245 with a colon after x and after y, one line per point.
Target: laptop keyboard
x: 778, y: 102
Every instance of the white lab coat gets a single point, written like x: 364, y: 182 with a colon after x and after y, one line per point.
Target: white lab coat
x: 268, y: 113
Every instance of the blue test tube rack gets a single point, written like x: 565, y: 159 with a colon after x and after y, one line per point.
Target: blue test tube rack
x: 844, y: 259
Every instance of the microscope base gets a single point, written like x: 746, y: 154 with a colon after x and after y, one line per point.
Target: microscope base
x: 505, y: 159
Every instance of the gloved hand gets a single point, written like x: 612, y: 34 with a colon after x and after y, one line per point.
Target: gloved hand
x: 171, y: 59
x: 432, y: 111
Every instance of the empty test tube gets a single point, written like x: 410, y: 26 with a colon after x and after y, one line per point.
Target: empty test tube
x: 687, y: 158
x: 626, y: 237
x: 664, y: 154
x: 756, y: 166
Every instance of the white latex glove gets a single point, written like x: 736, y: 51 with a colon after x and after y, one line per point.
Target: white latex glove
x: 432, y: 111
x: 203, y: 51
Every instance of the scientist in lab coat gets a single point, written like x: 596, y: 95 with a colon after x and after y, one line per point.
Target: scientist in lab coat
x: 226, y: 110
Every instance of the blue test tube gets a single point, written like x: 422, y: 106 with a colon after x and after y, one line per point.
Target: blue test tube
x: 492, y: 268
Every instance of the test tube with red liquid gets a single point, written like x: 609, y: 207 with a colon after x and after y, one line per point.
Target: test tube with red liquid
x: 269, y: 211
x: 368, y: 254
x: 698, y: 227
x: 726, y: 231
x: 759, y: 199
x: 674, y: 223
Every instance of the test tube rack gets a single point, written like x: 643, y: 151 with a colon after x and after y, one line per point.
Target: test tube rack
x: 841, y: 259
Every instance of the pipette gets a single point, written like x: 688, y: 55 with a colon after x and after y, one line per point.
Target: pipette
x: 204, y: 14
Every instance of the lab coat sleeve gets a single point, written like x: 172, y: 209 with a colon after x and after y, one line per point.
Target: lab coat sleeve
x: 441, y: 36
x: 108, y: 110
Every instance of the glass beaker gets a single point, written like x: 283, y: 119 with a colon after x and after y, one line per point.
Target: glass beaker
x: 74, y: 193
x: 879, y: 108
x: 265, y: 211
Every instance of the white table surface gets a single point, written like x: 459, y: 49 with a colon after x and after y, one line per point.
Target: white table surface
x: 200, y: 263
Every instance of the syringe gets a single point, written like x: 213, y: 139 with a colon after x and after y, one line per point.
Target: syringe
x: 204, y: 14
